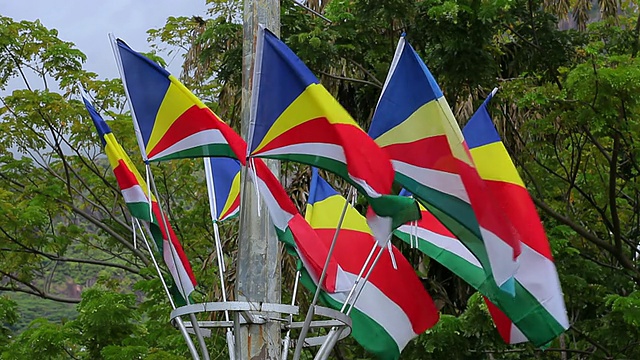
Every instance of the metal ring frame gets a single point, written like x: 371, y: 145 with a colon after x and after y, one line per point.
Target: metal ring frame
x: 258, y: 313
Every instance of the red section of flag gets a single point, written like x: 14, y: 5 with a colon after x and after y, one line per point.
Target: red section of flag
x: 434, y: 153
x: 124, y: 175
x: 503, y: 324
x: 354, y: 142
x: 306, y: 240
x: 490, y: 215
x: 163, y: 226
x: 195, y: 120
x: 517, y: 204
x: 232, y: 208
x: 400, y: 285
x: 313, y: 250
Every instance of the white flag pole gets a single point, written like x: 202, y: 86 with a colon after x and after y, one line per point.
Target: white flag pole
x: 287, y: 338
x: 213, y: 209
x: 310, y: 312
x: 334, y: 333
x: 178, y: 320
x: 366, y: 279
x: 114, y: 47
x: 116, y: 52
x: 136, y: 127
x: 359, y: 277
x: 135, y: 237
x: 176, y: 260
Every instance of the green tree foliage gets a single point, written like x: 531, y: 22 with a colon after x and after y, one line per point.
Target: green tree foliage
x: 576, y: 143
x: 9, y: 316
x: 109, y: 326
x: 63, y: 224
x: 58, y: 210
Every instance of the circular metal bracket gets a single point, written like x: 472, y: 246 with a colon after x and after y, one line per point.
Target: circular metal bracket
x: 338, y: 320
x: 260, y: 313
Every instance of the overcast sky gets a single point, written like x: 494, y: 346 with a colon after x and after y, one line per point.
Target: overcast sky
x: 87, y: 24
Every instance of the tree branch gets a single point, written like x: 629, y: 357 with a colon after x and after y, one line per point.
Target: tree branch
x: 591, y: 341
x: 18, y: 65
x: 504, y: 351
x: 367, y: 72
x: 29, y: 250
x: 598, y: 145
x: 92, y: 220
x: 42, y: 295
x: 31, y: 289
x: 74, y: 260
x: 350, y: 79
x: 109, y: 231
x: 99, y: 205
x: 584, y: 194
x: 625, y: 262
x: 636, y: 40
x: 613, y: 207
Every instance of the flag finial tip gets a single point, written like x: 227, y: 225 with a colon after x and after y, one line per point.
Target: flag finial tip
x: 404, y: 34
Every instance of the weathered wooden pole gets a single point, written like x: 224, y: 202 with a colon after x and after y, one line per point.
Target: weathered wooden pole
x: 258, y: 267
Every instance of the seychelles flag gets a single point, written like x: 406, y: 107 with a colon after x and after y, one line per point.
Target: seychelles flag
x: 415, y: 126
x: 528, y: 315
x: 225, y: 176
x: 537, y: 273
x: 295, y: 118
x: 170, y: 121
x: 393, y: 306
x: 135, y: 194
x: 299, y: 238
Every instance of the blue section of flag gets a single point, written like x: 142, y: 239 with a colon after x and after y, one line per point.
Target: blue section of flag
x: 224, y: 171
x: 281, y: 68
x: 98, y: 121
x: 147, y: 83
x: 319, y: 188
x: 480, y: 130
x: 405, y: 192
x: 415, y: 91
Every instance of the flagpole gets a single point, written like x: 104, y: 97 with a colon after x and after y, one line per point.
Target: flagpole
x: 359, y: 277
x: 366, y: 278
x: 334, y: 333
x: 178, y: 320
x: 213, y: 208
x: 364, y: 265
x: 143, y: 153
x: 329, y: 342
x: 136, y: 127
x: 307, y: 321
x: 287, y: 337
x: 176, y: 260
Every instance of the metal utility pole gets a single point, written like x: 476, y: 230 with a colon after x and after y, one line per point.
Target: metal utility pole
x: 258, y: 271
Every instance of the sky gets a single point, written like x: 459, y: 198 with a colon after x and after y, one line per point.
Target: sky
x: 87, y: 23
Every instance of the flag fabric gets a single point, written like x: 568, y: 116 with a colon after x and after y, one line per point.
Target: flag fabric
x: 291, y: 228
x: 432, y: 238
x: 537, y: 272
x: 393, y: 307
x: 225, y: 173
x: 510, y: 332
x: 136, y: 196
x: 538, y: 319
x: 170, y: 121
x: 296, y: 119
x: 415, y: 126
